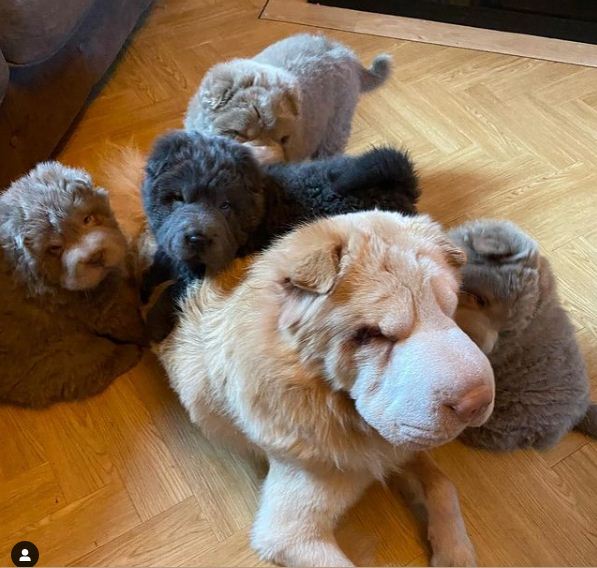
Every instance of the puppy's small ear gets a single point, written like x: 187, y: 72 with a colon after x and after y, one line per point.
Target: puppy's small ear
x: 217, y: 92
x: 168, y: 150
x: 454, y: 255
x: 502, y: 242
x: 317, y: 271
x: 289, y: 103
x: 222, y: 82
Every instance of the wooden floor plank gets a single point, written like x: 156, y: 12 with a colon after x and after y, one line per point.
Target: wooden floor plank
x: 174, y: 536
x: 29, y: 497
x: 77, y: 528
x: 136, y: 447
x: 300, y: 12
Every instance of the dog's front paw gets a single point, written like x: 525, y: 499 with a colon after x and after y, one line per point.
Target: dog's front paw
x: 463, y: 554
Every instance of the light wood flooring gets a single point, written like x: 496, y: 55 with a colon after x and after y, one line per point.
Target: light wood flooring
x: 123, y: 479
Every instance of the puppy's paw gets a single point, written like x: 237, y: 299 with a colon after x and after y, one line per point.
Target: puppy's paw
x: 461, y: 554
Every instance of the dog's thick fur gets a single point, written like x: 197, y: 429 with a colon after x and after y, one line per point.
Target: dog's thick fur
x: 69, y: 320
x: 211, y: 188
x: 510, y: 307
x: 295, y: 100
x: 208, y: 200
x: 335, y: 354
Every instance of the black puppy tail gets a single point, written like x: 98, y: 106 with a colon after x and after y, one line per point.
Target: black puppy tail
x: 380, y: 170
x: 588, y: 425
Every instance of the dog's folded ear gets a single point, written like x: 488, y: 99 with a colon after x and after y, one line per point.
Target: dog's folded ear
x: 289, y: 104
x: 223, y: 80
x: 168, y: 150
x: 316, y: 271
x: 308, y: 274
x: 311, y: 274
x: 454, y: 255
x: 496, y: 242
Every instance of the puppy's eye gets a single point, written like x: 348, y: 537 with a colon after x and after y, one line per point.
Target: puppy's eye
x: 236, y: 134
x: 90, y: 220
x: 365, y: 334
x: 284, y: 139
x: 225, y: 205
x: 173, y: 197
x: 475, y: 299
x: 54, y: 250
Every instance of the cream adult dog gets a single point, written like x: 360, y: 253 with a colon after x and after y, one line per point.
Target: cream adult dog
x: 335, y: 354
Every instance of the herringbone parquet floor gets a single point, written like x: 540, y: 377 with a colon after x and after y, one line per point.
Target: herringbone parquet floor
x: 124, y: 479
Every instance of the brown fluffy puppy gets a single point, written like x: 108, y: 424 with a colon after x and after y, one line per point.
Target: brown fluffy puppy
x: 69, y: 318
x: 335, y: 354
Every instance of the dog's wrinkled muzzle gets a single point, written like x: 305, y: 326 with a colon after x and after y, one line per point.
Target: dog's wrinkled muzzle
x: 436, y: 384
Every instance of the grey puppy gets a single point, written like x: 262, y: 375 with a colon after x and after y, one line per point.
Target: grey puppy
x: 293, y: 101
x: 509, y: 306
x: 69, y: 318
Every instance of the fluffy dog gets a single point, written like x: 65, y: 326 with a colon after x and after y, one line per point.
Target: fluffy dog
x: 69, y: 320
x: 293, y: 101
x: 510, y: 307
x: 335, y: 354
x: 208, y: 200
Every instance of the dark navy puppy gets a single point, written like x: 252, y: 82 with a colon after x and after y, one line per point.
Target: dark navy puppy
x: 208, y: 200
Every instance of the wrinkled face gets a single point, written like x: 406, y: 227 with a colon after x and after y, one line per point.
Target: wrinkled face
x: 376, y: 313
x: 262, y: 118
x: 203, y: 198
x: 64, y: 228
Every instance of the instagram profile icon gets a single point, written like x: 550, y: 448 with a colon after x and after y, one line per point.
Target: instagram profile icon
x: 24, y: 553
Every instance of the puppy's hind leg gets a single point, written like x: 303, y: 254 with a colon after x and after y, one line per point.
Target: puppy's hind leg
x: 447, y: 534
x: 299, y: 511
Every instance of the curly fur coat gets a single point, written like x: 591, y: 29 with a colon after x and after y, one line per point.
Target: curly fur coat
x: 69, y: 317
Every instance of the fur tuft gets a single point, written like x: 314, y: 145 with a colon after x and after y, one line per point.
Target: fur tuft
x: 588, y: 425
x: 380, y: 168
x: 377, y: 74
x: 122, y: 174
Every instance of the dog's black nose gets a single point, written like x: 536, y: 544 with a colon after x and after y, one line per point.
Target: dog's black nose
x: 196, y: 239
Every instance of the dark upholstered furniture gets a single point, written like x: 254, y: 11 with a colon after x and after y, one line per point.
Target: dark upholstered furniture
x: 52, y: 54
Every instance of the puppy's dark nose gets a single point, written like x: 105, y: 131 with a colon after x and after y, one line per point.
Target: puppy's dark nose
x: 197, y: 239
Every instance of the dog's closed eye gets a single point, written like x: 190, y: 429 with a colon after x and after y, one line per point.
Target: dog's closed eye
x: 172, y: 197
x: 91, y: 220
x: 237, y: 135
x: 366, y: 334
x: 54, y: 250
x: 473, y: 300
x: 225, y: 206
